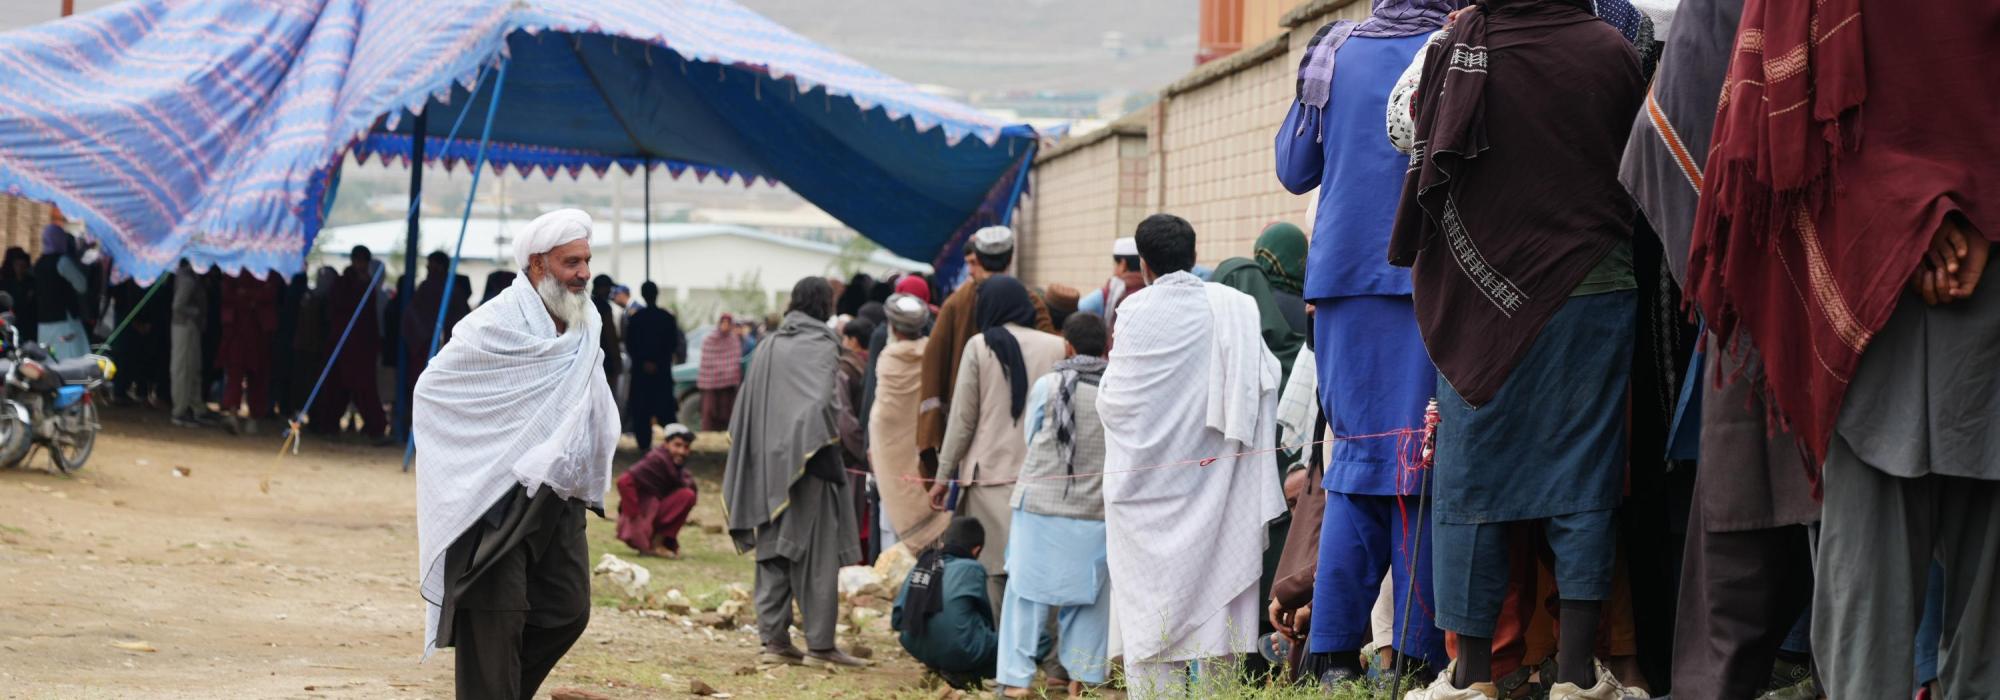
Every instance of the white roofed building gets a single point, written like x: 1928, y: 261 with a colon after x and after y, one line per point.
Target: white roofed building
x: 702, y: 268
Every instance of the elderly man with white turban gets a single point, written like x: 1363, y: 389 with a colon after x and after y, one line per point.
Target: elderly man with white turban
x: 515, y: 428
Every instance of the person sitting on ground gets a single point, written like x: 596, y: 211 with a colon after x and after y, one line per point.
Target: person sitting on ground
x: 656, y: 495
x: 942, y: 613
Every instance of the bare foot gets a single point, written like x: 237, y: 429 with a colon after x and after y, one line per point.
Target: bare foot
x: 1076, y: 689
x: 1014, y: 693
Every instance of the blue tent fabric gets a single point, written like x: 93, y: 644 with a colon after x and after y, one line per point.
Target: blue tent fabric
x: 215, y: 130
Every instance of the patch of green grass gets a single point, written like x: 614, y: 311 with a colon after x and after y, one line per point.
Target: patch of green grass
x: 708, y: 562
x: 11, y: 530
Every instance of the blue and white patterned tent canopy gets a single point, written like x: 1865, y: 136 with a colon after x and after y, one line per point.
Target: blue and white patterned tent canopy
x: 213, y: 130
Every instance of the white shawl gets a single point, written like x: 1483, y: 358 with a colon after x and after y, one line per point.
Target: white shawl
x: 507, y: 402
x: 1189, y: 379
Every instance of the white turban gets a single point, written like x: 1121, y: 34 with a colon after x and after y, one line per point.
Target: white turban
x: 548, y: 231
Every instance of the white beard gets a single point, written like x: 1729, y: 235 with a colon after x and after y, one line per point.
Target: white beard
x: 567, y: 306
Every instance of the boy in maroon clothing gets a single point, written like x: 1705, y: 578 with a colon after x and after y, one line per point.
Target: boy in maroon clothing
x: 656, y: 495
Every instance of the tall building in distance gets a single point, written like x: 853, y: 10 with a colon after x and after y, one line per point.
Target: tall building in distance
x: 1228, y: 26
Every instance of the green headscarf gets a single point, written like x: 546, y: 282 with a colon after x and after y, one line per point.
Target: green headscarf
x: 1281, y: 252
x: 1277, y: 265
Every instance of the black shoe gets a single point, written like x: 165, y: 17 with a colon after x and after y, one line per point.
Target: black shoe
x: 782, y: 654
x: 833, y: 658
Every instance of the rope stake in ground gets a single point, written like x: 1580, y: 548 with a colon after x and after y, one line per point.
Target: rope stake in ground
x: 292, y: 435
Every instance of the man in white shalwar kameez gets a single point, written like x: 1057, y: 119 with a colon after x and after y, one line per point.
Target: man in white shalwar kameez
x: 1189, y: 380
x: 515, y: 427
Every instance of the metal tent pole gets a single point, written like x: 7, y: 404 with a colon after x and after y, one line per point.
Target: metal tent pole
x: 649, y: 221
x: 406, y: 289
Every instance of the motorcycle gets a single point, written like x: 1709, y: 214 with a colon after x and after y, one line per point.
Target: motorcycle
x: 45, y: 402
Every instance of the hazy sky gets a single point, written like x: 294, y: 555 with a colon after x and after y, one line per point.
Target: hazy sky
x: 970, y: 45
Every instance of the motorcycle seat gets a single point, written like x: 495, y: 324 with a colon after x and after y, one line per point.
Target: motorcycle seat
x: 77, y: 370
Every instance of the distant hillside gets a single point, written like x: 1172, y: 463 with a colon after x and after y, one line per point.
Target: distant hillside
x: 1004, y: 45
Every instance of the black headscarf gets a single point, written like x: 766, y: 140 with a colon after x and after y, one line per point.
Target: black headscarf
x: 1002, y: 300
x: 858, y: 288
x: 497, y: 281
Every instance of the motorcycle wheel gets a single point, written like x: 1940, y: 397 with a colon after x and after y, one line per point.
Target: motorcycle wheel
x: 72, y: 450
x: 16, y: 438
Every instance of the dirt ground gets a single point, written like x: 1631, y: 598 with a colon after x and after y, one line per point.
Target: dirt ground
x: 255, y: 576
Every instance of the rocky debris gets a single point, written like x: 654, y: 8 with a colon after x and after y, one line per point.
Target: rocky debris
x: 697, y: 687
x: 862, y: 617
x: 860, y: 581
x: 675, y: 601
x: 630, y: 578
x: 575, y: 694
x: 894, y: 565
x: 731, y: 609
x: 134, y: 646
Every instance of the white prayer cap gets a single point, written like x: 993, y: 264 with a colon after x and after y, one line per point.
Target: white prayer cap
x: 1125, y: 246
x: 548, y: 231
x: 993, y: 240
x: 676, y: 430
x: 906, y: 313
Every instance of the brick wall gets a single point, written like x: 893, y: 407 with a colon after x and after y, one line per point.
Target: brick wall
x: 1213, y: 145
x: 1083, y: 198
x: 1203, y: 151
x: 21, y: 222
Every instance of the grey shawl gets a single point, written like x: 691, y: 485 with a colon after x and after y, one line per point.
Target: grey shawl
x: 785, y: 415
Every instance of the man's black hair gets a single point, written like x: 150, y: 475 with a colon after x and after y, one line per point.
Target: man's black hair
x: 1085, y: 332
x: 650, y: 292
x: 860, y: 329
x: 964, y: 533
x: 994, y: 263
x: 1166, y: 243
x: 360, y: 251
x: 813, y: 296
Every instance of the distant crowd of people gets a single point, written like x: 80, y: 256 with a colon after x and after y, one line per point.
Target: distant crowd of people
x: 238, y: 351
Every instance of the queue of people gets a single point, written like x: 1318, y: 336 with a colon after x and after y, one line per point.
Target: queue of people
x: 1507, y: 332
x: 1574, y: 389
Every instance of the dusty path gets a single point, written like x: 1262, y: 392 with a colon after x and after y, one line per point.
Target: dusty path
x: 259, y: 577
